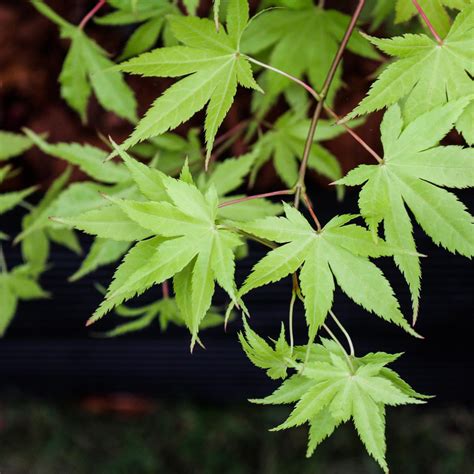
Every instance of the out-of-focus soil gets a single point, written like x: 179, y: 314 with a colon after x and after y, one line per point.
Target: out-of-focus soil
x: 31, y: 57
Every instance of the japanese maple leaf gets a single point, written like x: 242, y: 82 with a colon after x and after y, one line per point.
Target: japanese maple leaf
x: 15, y: 285
x: 179, y: 236
x: 285, y: 144
x: 213, y: 65
x: 304, y: 41
x: 87, y: 68
x: 152, y: 19
x: 413, y: 168
x: 435, y: 10
x: 330, y: 390
x: 427, y: 74
x: 339, y: 251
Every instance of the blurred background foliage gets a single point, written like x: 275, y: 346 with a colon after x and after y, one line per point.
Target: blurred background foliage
x: 126, y: 434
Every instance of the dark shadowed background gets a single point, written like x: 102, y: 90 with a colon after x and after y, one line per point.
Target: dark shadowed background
x: 73, y: 402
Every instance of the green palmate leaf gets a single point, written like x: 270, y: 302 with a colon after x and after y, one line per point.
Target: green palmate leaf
x: 102, y: 252
x: 89, y: 159
x: 190, y: 245
x: 285, y: 144
x: 249, y: 210
x: 329, y: 391
x: 435, y: 10
x: 86, y: 69
x: 287, y: 31
x: 229, y: 174
x: 36, y: 232
x: 79, y: 198
x: 151, y: 14
x: 108, y: 222
x: 339, y: 251
x: 414, y: 168
x: 13, y: 144
x: 10, y: 200
x: 262, y: 355
x: 427, y: 75
x: 166, y: 311
x: 4, y: 172
x: 65, y: 237
x: 8, y: 304
x: 191, y: 6
x: 213, y: 65
x: 16, y: 285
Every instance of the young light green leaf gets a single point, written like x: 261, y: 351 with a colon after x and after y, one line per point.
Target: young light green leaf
x: 329, y: 391
x: 10, y: 200
x: 13, y: 144
x: 88, y: 68
x: 419, y: 76
x: 261, y: 354
x: 285, y: 144
x: 414, y: 166
x: 339, y: 250
x: 108, y: 222
x: 102, y: 252
x: 212, y: 59
x: 287, y: 31
x: 89, y: 159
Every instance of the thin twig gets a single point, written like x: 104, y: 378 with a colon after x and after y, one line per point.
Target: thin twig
x: 315, y: 95
x: 288, y: 76
x: 428, y: 22
x: 290, y: 321
x: 256, y: 196
x: 165, y: 288
x: 344, y: 331
x: 86, y: 19
x: 338, y: 342
x: 322, y: 95
x: 311, y: 211
x: 328, y: 330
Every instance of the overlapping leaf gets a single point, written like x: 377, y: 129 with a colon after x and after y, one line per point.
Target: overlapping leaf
x: 213, y: 65
x: 87, y: 68
x: 151, y: 14
x: 427, y: 74
x: 285, y: 144
x: 340, y: 250
x: 227, y: 176
x: 260, y: 352
x: 166, y: 311
x: 90, y: 159
x: 414, y: 168
x: 12, y: 145
x: 189, y: 245
x: 435, y: 10
x: 304, y: 41
x: 331, y: 390
x: 18, y: 284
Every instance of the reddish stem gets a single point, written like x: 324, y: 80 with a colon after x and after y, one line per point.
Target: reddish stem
x: 86, y: 19
x: 321, y: 103
x: 311, y: 211
x: 428, y: 22
x: 165, y: 288
x: 256, y: 196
